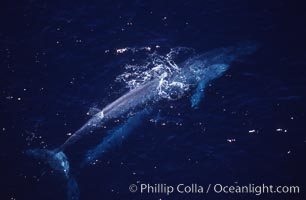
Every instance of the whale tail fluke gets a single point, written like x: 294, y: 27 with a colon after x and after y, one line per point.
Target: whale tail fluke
x: 72, y: 189
x: 57, y: 160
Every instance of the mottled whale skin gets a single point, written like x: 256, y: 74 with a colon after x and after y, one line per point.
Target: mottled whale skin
x: 196, y: 71
x: 119, y: 107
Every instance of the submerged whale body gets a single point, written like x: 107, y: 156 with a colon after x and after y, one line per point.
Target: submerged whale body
x: 193, y: 74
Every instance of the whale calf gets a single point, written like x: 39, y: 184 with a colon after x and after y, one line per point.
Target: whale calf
x: 171, y: 82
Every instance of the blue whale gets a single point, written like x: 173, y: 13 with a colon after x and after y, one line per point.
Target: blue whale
x: 191, y: 75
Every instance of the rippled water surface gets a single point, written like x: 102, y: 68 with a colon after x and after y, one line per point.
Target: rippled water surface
x: 62, y: 62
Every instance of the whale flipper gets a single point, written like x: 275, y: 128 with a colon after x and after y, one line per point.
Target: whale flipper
x: 198, y: 95
x: 214, y: 71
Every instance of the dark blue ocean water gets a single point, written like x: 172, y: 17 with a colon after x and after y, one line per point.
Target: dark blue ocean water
x: 58, y: 59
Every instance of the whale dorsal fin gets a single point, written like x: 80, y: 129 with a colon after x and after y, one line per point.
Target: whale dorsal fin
x: 92, y: 111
